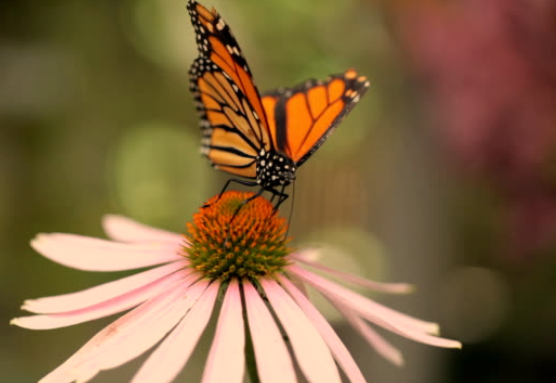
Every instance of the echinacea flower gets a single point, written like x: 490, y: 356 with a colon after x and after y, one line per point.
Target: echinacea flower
x: 244, y: 260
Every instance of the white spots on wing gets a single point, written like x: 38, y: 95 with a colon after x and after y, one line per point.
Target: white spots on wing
x: 205, y: 142
x: 220, y: 24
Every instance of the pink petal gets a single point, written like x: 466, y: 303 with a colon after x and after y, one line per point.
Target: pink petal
x: 138, y: 340
x: 104, y: 341
x: 103, y: 309
x: 354, y: 300
x: 299, y: 285
x: 123, y: 229
x: 101, y: 293
x: 311, y: 352
x: 93, y: 254
x: 381, y: 345
x: 397, y: 328
x: 226, y: 360
x: 392, y: 288
x: 166, y: 362
x: 87, y: 378
x: 335, y: 344
x: 274, y: 364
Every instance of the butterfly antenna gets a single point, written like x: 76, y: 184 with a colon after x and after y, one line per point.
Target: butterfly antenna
x: 291, y: 210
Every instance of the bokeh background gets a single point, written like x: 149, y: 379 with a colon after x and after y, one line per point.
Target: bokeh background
x: 442, y: 176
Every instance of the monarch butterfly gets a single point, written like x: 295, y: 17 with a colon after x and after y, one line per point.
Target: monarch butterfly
x: 261, y: 139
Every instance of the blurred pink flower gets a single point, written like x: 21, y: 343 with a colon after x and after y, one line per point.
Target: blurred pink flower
x: 174, y: 301
x: 490, y: 69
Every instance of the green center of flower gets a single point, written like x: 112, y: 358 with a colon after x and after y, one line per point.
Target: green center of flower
x: 251, y: 245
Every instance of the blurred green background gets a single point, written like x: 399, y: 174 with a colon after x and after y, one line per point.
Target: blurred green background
x: 422, y: 183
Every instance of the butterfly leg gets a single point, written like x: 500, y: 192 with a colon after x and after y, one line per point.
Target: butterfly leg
x: 243, y: 203
x: 281, y: 197
x: 241, y: 182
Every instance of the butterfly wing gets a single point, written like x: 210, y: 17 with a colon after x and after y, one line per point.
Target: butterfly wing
x: 233, y: 120
x: 301, y: 118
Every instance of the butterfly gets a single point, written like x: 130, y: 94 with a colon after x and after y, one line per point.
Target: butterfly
x: 262, y: 139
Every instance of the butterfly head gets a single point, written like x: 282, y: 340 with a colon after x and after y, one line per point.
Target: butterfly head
x: 274, y: 169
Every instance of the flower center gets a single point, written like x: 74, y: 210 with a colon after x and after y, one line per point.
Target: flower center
x: 251, y: 245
